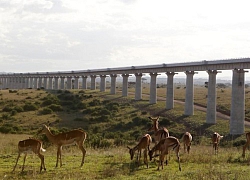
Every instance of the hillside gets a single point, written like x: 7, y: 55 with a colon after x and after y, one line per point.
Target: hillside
x: 114, y: 119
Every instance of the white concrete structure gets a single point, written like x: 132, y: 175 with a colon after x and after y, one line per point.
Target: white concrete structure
x: 238, y: 66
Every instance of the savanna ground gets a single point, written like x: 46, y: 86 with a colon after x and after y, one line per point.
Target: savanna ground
x: 112, y: 123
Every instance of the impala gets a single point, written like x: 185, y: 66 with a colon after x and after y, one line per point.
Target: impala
x: 73, y: 137
x: 144, y: 143
x: 28, y: 146
x: 158, y: 133
x: 164, y: 146
x: 216, y: 140
x: 187, y: 139
x: 247, y: 144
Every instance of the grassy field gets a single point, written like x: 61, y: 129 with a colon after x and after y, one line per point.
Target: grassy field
x: 112, y: 122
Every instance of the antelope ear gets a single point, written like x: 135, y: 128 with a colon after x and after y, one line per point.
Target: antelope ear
x: 128, y: 147
x: 221, y: 137
x: 150, y: 118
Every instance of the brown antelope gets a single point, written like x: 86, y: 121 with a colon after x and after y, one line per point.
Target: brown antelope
x: 164, y: 146
x: 158, y: 133
x: 28, y: 146
x: 247, y: 144
x: 73, y: 137
x: 216, y: 140
x: 144, y: 143
x: 187, y: 139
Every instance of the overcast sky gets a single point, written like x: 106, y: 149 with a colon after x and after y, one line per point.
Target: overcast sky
x: 58, y: 35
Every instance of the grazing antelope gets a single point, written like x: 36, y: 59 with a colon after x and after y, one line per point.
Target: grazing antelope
x: 187, y: 139
x: 73, y: 137
x: 144, y: 143
x: 216, y: 140
x: 164, y: 146
x: 28, y: 146
x: 247, y: 144
x: 158, y: 133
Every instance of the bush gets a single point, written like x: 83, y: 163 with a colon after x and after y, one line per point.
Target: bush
x: 30, y: 107
x: 55, y: 107
x: 46, y: 110
x: 7, y: 108
x: 18, y: 109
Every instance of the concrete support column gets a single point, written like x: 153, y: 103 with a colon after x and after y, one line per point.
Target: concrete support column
x: 35, y: 83
x: 31, y: 82
x: 76, y: 82
x: 189, y: 99
x: 211, y: 97
x: 23, y: 80
x: 50, y: 86
x: 18, y: 83
x: 11, y: 82
x: 27, y: 80
x: 84, y: 82
x: 237, y: 118
x: 125, y: 84
x: 40, y: 80
x: 153, y: 91
x: 7, y: 83
x: 45, y: 82
x: 113, y: 83
x: 69, y: 82
x: 93, y: 83
x: 103, y: 83
x: 170, y: 90
x: 138, y: 86
x: 56, y: 79
x: 62, y: 83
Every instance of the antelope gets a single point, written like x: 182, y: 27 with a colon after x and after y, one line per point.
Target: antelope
x: 158, y: 133
x: 144, y: 143
x: 187, y: 138
x: 247, y: 144
x: 216, y: 140
x: 164, y: 146
x: 73, y: 137
x: 28, y: 146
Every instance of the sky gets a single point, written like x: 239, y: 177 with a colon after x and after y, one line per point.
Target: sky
x: 65, y: 35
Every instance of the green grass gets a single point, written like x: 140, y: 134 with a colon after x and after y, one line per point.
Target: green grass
x: 128, y: 122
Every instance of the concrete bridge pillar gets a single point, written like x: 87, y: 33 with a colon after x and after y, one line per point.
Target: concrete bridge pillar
x: 31, y: 82
x: 237, y: 117
x: 69, y: 82
x: 7, y: 82
x: 84, y: 82
x: 40, y: 80
x: 27, y: 80
x: 23, y: 80
x: 50, y: 86
x: 45, y: 82
x: 113, y: 83
x: 103, y: 83
x: 125, y: 84
x: 189, y: 99
x: 211, y: 97
x: 170, y: 90
x: 138, y: 86
x: 76, y: 82
x: 153, y: 92
x: 35, y: 83
x: 56, y: 79
x: 93, y: 82
x: 62, y: 83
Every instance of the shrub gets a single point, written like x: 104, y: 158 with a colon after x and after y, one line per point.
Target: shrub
x: 55, y: 107
x: 30, y: 107
x: 18, y: 109
x: 95, y: 102
x: 7, y: 108
x: 46, y: 110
